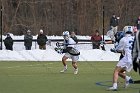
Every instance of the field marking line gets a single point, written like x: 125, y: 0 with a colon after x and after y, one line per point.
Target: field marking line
x: 103, y: 83
x: 27, y: 66
x: 21, y: 75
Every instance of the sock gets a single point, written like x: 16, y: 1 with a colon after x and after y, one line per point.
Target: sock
x: 76, y: 69
x: 127, y: 78
x: 115, y: 85
x: 65, y: 67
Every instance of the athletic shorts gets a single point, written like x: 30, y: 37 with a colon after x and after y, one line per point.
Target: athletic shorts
x: 125, y: 64
x: 74, y: 58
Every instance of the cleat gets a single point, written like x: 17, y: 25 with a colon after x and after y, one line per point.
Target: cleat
x: 112, y: 89
x: 64, y: 70
x: 76, y: 71
x: 130, y: 81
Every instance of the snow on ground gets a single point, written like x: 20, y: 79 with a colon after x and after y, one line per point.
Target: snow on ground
x: 87, y: 53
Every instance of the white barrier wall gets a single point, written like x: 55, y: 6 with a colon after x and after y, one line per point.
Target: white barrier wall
x: 51, y: 55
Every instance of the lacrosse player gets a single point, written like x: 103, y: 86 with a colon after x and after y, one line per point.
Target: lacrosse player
x: 125, y: 63
x: 69, y: 48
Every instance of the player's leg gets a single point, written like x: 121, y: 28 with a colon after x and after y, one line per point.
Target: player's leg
x: 74, y: 63
x: 64, y: 63
x: 128, y: 79
x: 116, y: 75
x: 115, y: 78
x: 64, y: 60
x: 123, y: 75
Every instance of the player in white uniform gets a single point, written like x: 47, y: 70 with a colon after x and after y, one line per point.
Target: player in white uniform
x: 125, y: 63
x: 70, y: 52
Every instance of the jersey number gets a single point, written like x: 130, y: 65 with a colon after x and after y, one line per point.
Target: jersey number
x: 130, y: 44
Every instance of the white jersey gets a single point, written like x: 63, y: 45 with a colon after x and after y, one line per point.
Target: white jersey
x: 70, y: 43
x: 125, y: 45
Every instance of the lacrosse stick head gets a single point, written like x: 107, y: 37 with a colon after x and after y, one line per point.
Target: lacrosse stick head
x: 57, y: 44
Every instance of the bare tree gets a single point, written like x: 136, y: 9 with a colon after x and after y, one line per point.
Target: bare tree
x: 55, y: 16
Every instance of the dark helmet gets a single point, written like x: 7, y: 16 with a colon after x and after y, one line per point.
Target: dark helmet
x: 119, y: 35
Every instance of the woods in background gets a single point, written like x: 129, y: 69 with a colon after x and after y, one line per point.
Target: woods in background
x: 55, y: 16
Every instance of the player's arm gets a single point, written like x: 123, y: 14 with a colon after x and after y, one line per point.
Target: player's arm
x: 119, y: 48
x: 66, y: 49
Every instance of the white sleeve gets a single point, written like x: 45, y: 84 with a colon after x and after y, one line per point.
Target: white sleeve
x: 71, y: 42
x: 121, y: 45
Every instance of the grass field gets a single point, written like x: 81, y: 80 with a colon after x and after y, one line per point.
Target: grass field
x: 44, y: 77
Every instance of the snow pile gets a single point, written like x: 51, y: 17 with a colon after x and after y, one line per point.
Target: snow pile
x: 87, y: 53
x: 51, y: 55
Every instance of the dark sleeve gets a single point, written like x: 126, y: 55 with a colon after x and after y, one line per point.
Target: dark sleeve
x: 46, y: 38
x: 75, y: 39
x: 67, y: 49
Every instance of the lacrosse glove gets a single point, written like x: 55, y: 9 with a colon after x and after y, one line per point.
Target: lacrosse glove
x: 113, y: 50
x: 59, y: 50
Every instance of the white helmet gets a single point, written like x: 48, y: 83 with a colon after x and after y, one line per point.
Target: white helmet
x: 128, y: 29
x: 66, y: 34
